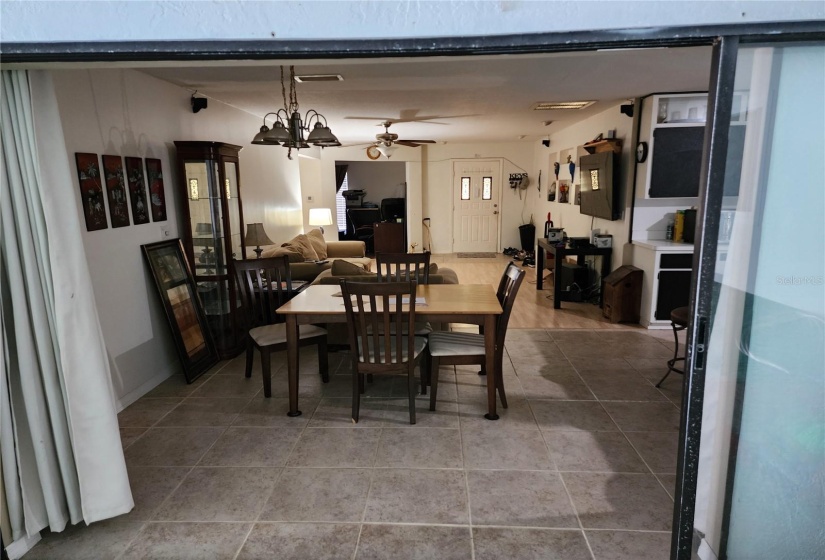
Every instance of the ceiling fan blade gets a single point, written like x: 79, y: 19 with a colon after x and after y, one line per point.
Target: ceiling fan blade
x: 409, y: 143
x: 359, y: 144
x: 417, y: 141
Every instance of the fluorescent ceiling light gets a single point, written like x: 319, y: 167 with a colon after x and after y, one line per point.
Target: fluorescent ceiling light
x: 552, y: 106
x: 319, y: 78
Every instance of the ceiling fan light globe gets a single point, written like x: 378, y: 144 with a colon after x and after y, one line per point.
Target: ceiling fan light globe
x: 386, y: 150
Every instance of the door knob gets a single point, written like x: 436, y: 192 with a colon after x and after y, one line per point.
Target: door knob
x: 495, y: 211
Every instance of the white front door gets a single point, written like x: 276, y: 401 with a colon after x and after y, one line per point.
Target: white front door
x: 476, y: 206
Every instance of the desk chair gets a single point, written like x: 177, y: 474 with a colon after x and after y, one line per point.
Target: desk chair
x: 456, y: 348
x: 373, y: 309
x: 264, y: 286
x: 362, y: 221
x: 678, y: 321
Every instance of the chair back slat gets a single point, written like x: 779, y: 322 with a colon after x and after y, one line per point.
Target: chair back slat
x: 378, y: 323
x: 506, y: 294
x: 264, y: 286
x: 402, y: 267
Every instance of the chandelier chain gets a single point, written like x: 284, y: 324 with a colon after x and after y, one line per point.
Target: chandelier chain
x: 283, y: 90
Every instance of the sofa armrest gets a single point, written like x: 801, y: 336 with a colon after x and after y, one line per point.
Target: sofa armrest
x: 343, y: 249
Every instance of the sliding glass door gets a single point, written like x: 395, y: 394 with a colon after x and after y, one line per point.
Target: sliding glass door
x: 754, y: 414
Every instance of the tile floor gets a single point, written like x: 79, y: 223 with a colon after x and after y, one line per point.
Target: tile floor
x: 581, y: 465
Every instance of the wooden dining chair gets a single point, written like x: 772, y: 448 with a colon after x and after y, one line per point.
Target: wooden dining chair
x: 373, y: 309
x: 264, y: 286
x: 400, y: 267
x: 458, y: 348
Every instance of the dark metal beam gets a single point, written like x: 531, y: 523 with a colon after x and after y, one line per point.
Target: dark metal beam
x: 276, y: 49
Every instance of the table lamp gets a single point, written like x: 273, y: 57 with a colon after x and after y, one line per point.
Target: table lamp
x: 320, y: 217
x: 255, y: 235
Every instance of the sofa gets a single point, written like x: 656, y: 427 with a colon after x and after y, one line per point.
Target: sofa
x: 310, y: 254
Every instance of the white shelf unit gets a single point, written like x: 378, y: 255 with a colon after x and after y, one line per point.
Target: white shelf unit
x: 675, y: 111
x: 667, y: 268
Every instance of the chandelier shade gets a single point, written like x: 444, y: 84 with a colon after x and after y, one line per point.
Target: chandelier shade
x: 288, y: 129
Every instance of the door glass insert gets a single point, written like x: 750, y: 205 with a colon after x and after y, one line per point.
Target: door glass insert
x: 760, y: 490
x: 465, y: 188
x: 487, y: 188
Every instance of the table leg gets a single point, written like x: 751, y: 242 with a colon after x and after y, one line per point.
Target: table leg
x: 490, y: 367
x: 292, y: 363
x: 540, y: 267
x: 557, y: 262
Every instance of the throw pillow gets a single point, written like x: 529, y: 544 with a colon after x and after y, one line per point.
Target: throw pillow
x: 302, y: 244
x: 316, y: 238
x: 433, y: 268
x: 344, y: 268
x: 291, y: 252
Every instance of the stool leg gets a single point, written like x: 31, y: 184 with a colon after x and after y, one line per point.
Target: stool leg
x: 675, y: 354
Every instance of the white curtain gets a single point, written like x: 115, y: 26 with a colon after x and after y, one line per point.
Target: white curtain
x: 62, y: 460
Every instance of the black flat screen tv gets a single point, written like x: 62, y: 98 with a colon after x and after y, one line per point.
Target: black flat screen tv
x: 599, y: 187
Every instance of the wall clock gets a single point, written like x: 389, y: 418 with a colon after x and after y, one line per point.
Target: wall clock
x: 641, y: 152
x: 373, y: 153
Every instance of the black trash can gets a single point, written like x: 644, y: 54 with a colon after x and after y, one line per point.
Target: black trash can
x: 528, y: 237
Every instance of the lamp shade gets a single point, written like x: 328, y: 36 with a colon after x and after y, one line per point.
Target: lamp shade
x: 203, y: 228
x: 255, y: 235
x: 320, y: 217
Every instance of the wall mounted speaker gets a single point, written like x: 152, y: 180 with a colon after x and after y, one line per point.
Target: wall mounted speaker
x: 198, y: 103
x: 545, y: 143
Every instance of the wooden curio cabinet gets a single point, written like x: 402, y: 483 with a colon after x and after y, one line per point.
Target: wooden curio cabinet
x: 213, y: 226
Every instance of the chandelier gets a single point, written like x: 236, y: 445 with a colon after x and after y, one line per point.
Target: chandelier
x: 288, y: 130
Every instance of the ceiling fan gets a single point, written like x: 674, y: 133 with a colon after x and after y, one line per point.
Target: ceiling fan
x: 385, y: 143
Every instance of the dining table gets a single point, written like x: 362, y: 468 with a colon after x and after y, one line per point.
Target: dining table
x: 474, y: 304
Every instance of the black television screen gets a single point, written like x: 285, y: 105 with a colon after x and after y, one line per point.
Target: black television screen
x: 393, y: 209
x: 599, y: 188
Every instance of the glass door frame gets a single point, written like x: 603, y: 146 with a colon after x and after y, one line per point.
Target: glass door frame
x: 725, y: 39
x: 711, y: 192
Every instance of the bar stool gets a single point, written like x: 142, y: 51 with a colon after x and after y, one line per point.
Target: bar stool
x: 679, y: 321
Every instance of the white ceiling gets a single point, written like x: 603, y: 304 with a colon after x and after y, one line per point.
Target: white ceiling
x: 465, y: 99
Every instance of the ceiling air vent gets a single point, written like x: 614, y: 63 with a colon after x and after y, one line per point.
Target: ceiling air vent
x: 319, y: 78
x: 552, y: 106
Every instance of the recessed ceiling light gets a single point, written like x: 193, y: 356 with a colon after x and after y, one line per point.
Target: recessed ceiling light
x: 552, y: 105
x: 319, y: 78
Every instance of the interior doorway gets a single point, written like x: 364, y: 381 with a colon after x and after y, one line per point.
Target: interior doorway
x: 476, y: 206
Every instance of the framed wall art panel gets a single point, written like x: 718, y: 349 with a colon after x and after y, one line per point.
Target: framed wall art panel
x: 157, y: 195
x: 137, y: 190
x: 116, y: 191
x: 91, y: 191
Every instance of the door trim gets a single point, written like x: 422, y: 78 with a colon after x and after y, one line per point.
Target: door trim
x: 453, y: 163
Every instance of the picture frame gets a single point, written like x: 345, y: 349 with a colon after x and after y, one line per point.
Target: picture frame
x: 179, y: 296
x: 137, y: 190
x: 91, y: 191
x: 157, y: 195
x: 116, y: 191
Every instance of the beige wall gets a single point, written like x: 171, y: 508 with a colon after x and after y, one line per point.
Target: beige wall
x: 123, y: 112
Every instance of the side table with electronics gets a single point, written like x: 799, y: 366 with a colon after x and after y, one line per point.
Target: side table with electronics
x: 581, y: 248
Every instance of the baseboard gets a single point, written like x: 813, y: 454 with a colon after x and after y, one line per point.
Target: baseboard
x: 134, y: 395
x: 21, y: 546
